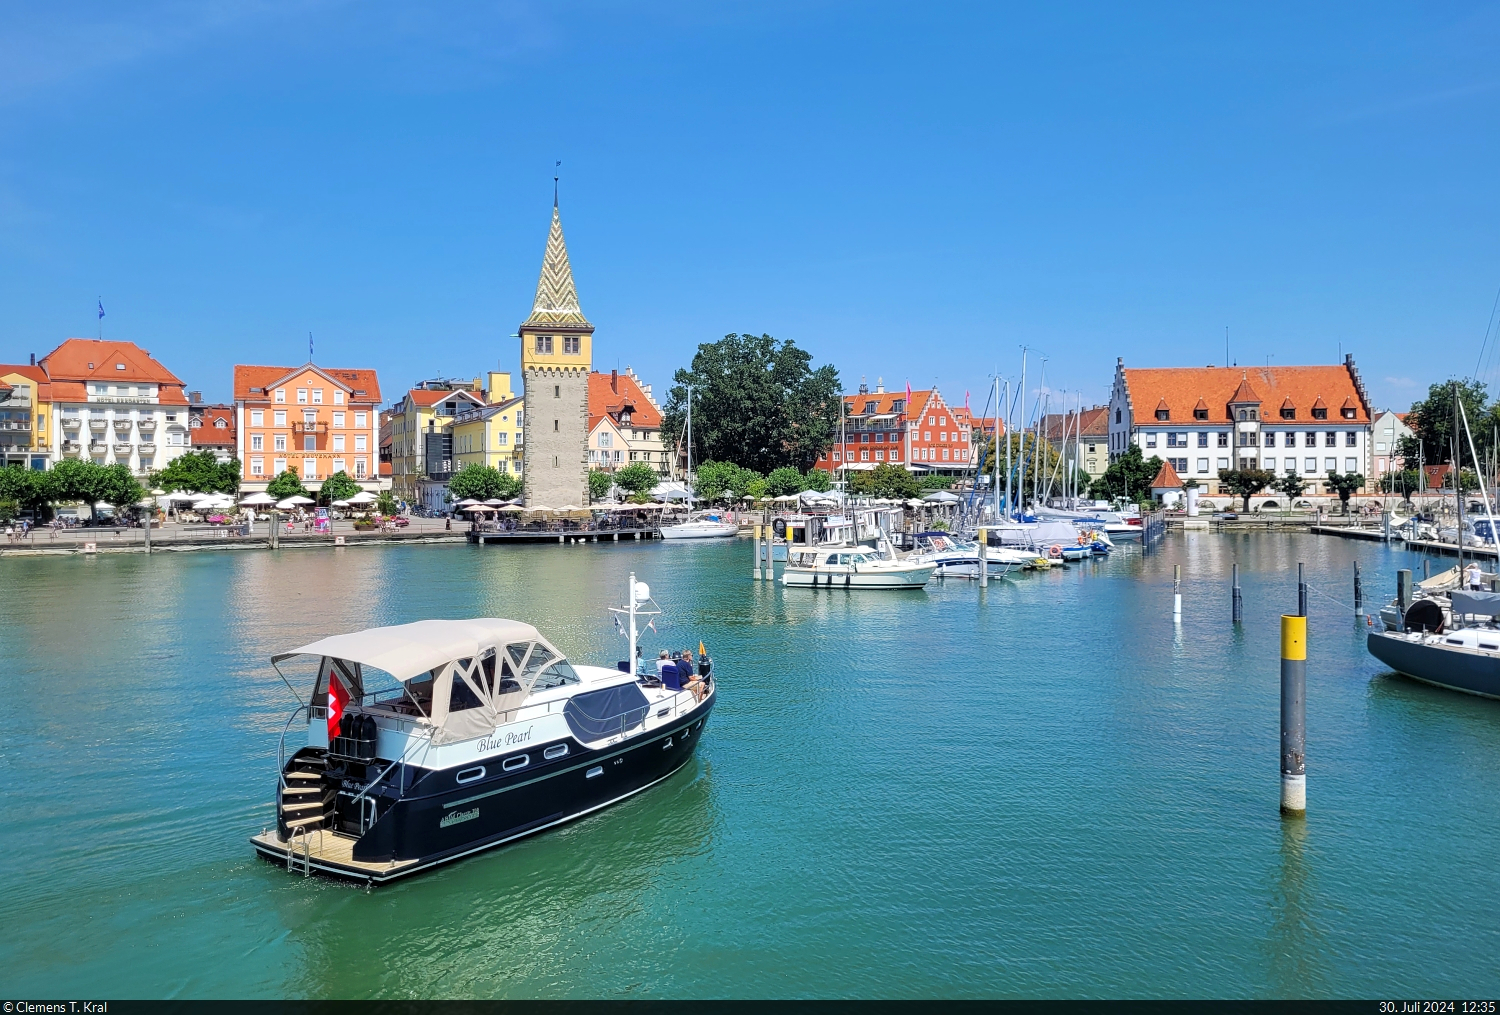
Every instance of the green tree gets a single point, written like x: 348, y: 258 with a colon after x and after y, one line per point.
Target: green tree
x: 77, y: 481
x: 1027, y: 455
x: 337, y: 487
x: 385, y: 503
x: 1404, y: 482
x: 755, y: 400
x: 199, y: 472
x: 819, y: 480
x: 1431, y: 421
x: 27, y: 489
x: 1291, y: 486
x: 600, y: 483
x: 1245, y: 482
x: 286, y: 485
x: 885, y: 480
x: 475, y: 481
x: 637, y: 478
x: 1345, y: 485
x: 785, y: 480
x: 1128, y: 476
x: 119, y: 488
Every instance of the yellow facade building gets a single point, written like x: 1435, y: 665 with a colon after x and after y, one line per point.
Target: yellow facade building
x: 25, y: 414
x: 491, y: 436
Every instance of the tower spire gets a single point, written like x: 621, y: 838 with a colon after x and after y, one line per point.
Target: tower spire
x: 556, y: 296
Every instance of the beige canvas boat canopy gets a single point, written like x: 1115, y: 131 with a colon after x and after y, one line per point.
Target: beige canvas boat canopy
x: 465, y: 675
x: 406, y: 651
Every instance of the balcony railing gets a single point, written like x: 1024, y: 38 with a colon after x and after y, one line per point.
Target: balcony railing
x: 309, y: 428
x: 147, y: 425
x: 15, y: 424
x: 122, y: 426
x: 122, y: 449
x: 148, y: 449
x: 98, y: 424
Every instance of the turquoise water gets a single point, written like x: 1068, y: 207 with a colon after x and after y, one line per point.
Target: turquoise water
x: 1038, y: 789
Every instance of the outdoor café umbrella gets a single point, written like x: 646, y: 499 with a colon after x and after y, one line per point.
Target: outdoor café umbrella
x: 467, y: 502
x: 538, y: 508
x: 568, y: 507
x: 511, y: 508
x: 477, y: 508
x: 496, y: 502
x: 258, y: 499
x: 297, y: 498
x: 363, y: 497
x: 289, y: 503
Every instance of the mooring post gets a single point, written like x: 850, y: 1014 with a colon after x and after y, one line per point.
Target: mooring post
x: 1301, y: 592
x: 1359, y: 593
x: 275, y: 529
x: 148, y: 533
x: 1426, y: 570
x: 1385, y: 517
x: 1176, y: 593
x: 1236, y: 602
x: 1293, y: 715
x: 1403, y: 594
x: 984, y: 558
x: 755, y: 540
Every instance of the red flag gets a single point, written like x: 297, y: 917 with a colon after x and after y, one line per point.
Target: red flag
x: 966, y: 402
x: 908, y: 399
x: 338, y: 697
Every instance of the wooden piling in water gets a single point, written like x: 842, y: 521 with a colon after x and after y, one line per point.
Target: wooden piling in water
x: 1293, y: 715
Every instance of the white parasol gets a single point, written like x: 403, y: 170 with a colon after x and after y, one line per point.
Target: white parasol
x: 257, y: 499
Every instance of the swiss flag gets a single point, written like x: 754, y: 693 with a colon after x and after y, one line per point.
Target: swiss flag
x: 338, y: 697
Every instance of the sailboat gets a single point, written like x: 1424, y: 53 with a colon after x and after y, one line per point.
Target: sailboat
x: 708, y: 524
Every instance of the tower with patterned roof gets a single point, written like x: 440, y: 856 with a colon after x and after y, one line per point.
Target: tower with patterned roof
x: 556, y: 356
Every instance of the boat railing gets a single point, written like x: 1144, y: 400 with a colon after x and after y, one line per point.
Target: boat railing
x: 281, y: 747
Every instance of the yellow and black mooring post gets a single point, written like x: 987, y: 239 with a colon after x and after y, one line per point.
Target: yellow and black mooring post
x: 984, y: 558
x: 1293, y: 714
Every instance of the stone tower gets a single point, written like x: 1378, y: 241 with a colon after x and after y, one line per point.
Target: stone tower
x: 556, y: 356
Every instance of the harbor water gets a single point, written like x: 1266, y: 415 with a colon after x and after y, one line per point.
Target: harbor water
x: 1042, y: 788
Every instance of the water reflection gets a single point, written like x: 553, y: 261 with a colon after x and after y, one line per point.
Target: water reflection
x: 1295, y: 946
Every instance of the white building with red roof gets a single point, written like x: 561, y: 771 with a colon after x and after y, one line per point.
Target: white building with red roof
x: 211, y: 428
x: 1308, y: 420
x: 624, y: 423
x: 114, y: 404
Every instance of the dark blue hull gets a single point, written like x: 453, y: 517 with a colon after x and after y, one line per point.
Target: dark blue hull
x: 1455, y: 668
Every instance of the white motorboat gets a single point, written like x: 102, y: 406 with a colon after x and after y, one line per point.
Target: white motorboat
x: 956, y: 557
x: 707, y: 527
x: 852, y: 567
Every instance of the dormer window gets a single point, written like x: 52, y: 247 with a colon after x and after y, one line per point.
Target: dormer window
x: 1200, y: 413
x: 1348, y: 413
x: 869, y: 408
x: 1163, y: 414
x: 1320, y: 413
x: 1287, y: 413
x: 1254, y: 414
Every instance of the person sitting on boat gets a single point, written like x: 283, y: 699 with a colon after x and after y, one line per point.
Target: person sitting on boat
x: 690, y: 680
x: 1474, y: 577
x: 662, y: 662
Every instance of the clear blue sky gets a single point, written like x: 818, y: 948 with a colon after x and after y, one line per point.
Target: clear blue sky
x: 907, y: 191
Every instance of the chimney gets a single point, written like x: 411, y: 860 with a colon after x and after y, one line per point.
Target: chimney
x: 33, y: 359
x: 196, y: 397
x: 614, y: 381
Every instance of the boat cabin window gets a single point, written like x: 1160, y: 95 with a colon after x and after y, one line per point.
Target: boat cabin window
x: 556, y: 675
x: 421, y: 691
x: 461, y: 696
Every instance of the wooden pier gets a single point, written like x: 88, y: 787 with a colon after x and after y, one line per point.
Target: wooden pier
x: 565, y: 537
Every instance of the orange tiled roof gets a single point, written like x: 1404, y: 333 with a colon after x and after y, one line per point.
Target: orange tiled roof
x: 77, y: 361
x: 1166, y: 478
x: 885, y: 400
x: 1095, y: 423
x: 208, y: 432
x: 263, y: 377
x: 1182, y: 388
x: 385, y: 468
x: 1244, y: 393
x: 610, y: 393
x: 36, y: 375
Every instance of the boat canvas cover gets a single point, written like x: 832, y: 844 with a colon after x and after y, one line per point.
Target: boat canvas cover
x: 407, y: 651
x: 596, y: 714
x: 1478, y: 604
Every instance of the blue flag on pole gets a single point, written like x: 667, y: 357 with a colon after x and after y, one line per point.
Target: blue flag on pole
x: 101, y: 309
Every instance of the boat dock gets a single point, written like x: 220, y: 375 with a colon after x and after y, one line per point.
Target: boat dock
x: 564, y: 536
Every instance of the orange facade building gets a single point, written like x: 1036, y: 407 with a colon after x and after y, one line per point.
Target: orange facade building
x: 309, y: 420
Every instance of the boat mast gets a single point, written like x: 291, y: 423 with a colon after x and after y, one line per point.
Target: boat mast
x: 633, y: 632
x: 1488, y: 512
x: 1009, y: 410
x: 689, y: 475
x: 1458, y: 486
x: 995, y: 465
x: 1021, y: 452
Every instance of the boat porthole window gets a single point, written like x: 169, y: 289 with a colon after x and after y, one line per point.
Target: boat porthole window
x: 555, y: 751
x: 519, y: 761
x: 596, y: 770
x: 469, y: 775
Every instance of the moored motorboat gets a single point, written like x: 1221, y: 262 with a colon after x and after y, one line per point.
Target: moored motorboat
x: 488, y: 734
x: 852, y: 567
x: 955, y: 557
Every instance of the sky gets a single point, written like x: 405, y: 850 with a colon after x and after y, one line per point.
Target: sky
x: 910, y: 192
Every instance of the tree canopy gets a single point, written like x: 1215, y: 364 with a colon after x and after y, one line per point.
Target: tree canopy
x: 755, y: 400
x: 1431, y: 420
x: 637, y: 478
x: 199, y: 472
x: 885, y: 480
x: 717, y: 480
x: 338, y: 486
x: 1246, y: 482
x: 784, y: 481
x: 1345, y: 484
x: 600, y: 483
x: 286, y: 485
x: 1128, y: 476
x: 1291, y: 486
x: 483, y: 482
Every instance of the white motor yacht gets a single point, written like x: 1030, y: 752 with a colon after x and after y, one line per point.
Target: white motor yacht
x: 488, y: 734
x: 956, y: 557
x: 852, y: 567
